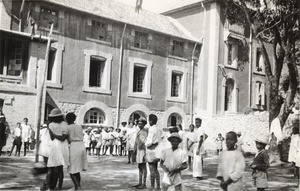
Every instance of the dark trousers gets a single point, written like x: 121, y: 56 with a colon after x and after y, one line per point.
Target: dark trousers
x: 154, y: 174
x: 26, y: 144
x: 142, y: 173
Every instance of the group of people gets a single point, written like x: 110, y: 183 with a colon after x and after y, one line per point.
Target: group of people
x: 62, y: 146
x: 23, y: 134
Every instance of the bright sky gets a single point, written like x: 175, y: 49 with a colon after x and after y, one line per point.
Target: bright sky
x: 152, y: 5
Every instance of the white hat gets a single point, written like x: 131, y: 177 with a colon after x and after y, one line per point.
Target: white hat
x: 55, y: 113
x: 263, y: 139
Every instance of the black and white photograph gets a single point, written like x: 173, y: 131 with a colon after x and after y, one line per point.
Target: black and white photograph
x: 150, y: 95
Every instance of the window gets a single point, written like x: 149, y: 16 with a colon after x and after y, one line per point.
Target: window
x: 99, y: 30
x: 259, y: 61
x: 51, y: 61
x: 176, y: 84
x: 174, y: 119
x: 229, y: 95
x: 47, y: 15
x: 15, y: 58
x: 97, y: 66
x: 97, y: 72
x: 177, y: 48
x: 139, y: 78
x: 136, y: 115
x: 94, y: 116
x: 232, y: 54
x: 260, y: 94
x: 140, y: 40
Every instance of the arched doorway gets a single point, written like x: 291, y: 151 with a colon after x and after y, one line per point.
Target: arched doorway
x: 136, y: 115
x: 94, y: 117
x: 229, y: 95
x: 174, y: 119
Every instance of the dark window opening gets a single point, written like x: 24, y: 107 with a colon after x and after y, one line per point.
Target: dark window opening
x: 51, y: 60
x: 47, y: 15
x: 138, y: 78
x: 140, y: 40
x: 97, y: 65
x: 177, y: 49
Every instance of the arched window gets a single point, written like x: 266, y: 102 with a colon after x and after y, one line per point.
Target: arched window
x: 136, y: 115
x: 174, y: 119
x: 229, y: 87
x: 94, y: 116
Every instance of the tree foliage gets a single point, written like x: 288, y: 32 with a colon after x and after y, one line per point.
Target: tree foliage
x: 275, y: 22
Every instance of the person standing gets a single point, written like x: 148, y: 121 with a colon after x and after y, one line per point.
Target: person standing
x: 198, y: 150
x: 173, y: 161
x: 59, y: 149
x: 190, y: 140
x: 131, y: 136
x: 231, y: 165
x: 261, y: 164
x: 17, y: 140
x: 78, y: 158
x: 87, y: 140
x: 140, y: 149
x: 152, y: 141
x: 219, y: 141
x: 26, y: 133
x: 44, y: 151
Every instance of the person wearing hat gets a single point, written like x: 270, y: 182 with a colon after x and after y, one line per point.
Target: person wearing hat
x: 87, y: 140
x: 140, y: 150
x: 59, y: 149
x: 173, y: 160
x: 261, y: 163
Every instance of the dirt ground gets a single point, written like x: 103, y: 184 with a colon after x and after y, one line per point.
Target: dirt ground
x: 113, y: 173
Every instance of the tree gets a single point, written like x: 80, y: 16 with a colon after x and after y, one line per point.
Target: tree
x: 275, y: 22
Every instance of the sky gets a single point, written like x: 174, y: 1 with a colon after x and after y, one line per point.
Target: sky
x: 151, y: 5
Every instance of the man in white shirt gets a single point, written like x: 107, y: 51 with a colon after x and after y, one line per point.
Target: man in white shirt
x: 26, y: 132
x: 152, y: 141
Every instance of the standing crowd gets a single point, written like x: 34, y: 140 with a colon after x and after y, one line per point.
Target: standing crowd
x: 65, y: 144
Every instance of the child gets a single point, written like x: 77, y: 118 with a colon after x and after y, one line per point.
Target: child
x: 231, y: 165
x: 105, y: 140
x: 117, y: 142
x: 17, y: 140
x: 219, y: 141
x: 87, y: 140
x: 294, y: 152
x: 98, y: 136
x: 190, y: 136
x: 123, y: 139
x: 261, y: 164
x: 173, y: 161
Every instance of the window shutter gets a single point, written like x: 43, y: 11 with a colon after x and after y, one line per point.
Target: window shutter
x: 89, y: 22
x: 150, y: 37
x: 234, y: 54
x: 61, y: 15
x: 109, y: 26
x: 37, y: 8
x: 171, y: 42
x: 256, y: 93
x: 262, y: 93
x: 132, y: 32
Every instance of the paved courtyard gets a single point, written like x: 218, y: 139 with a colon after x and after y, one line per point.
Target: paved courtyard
x: 112, y: 173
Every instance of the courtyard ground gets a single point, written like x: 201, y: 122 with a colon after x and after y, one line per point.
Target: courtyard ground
x: 112, y: 173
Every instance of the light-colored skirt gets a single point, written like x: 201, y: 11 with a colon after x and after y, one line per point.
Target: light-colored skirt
x: 59, y: 154
x: 78, y: 158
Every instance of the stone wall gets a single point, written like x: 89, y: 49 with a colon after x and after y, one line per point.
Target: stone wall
x: 251, y: 126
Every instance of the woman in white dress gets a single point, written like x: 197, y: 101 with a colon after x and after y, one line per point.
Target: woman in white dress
x: 78, y: 158
x: 59, y: 149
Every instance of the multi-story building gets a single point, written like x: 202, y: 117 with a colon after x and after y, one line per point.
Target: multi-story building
x: 231, y: 72
x: 90, y: 74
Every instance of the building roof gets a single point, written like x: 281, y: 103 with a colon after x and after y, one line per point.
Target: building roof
x: 125, y: 13
x: 177, y: 4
